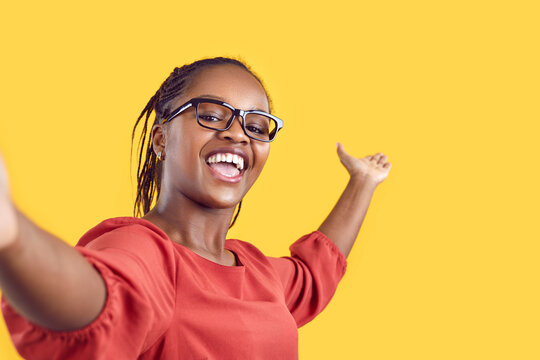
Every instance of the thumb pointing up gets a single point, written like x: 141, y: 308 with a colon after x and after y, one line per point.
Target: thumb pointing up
x: 345, y: 158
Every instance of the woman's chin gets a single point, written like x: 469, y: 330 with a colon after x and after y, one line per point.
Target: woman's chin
x: 222, y: 201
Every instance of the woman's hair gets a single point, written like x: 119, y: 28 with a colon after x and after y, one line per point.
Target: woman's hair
x: 149, y: 175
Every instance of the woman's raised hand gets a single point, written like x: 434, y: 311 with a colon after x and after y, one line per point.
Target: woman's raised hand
x: 372, y: 168
x: 8, y: 215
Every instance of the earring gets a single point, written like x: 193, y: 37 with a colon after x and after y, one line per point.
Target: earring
x: 159, y: 156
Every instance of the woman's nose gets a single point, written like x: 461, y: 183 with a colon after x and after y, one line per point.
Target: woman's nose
x: 235, y: 132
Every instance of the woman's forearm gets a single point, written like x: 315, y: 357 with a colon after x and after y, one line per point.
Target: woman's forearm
x: 344, y: 221
x: 48, y: 281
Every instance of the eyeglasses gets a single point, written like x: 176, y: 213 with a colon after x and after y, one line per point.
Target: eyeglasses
x: 218, y: 115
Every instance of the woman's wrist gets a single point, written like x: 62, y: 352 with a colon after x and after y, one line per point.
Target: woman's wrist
x: 363, y: 181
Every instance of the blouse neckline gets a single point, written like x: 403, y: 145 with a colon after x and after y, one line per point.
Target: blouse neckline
x: 239, y: 266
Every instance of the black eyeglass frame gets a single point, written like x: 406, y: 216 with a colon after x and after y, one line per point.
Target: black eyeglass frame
x: 235, y: 112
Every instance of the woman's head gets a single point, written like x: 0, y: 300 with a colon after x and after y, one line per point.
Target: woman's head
x: 188, y: 147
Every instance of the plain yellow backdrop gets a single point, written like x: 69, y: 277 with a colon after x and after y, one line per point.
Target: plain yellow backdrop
x: 446, y: 265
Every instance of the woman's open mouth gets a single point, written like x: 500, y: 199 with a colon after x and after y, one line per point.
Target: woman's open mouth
x: 226, y: 166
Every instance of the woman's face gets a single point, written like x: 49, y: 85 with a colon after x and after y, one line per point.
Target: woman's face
x: 188, y: 146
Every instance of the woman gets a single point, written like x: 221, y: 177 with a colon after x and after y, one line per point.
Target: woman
x: 168, y: 285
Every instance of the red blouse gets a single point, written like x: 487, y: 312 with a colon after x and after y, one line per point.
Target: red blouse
x: 166, y: 302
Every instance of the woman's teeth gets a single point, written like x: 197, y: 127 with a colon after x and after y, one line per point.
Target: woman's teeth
x: 228, y: 158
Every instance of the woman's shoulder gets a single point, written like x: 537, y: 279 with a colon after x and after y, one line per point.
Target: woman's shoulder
x: 236, y: 244
x: 247, y: 251
x: 122, y: 227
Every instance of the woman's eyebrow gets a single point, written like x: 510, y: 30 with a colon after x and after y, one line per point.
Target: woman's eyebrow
x: 215, y: 97
x: 212, y: 97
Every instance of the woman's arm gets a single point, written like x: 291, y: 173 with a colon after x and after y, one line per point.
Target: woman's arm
x: 42, y: 277
x: 344, y: 221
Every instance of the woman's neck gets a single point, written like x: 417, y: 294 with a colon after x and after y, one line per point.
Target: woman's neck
x: 190, y: 224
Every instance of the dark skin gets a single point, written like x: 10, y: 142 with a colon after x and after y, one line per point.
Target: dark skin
x: 195, y: 208
x: 54, y: 286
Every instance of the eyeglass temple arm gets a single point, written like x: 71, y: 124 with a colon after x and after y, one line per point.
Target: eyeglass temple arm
x: 177, y: 112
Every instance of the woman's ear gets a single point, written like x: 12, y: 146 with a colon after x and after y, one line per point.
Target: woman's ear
x: 158, y: 138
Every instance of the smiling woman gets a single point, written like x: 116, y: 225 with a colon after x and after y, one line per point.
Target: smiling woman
x: 169, y: 284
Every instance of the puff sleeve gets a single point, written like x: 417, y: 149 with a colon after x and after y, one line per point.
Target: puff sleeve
x: 138, y: 268
x: 310, y: 275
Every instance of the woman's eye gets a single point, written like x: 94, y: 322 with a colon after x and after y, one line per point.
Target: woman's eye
x: 210, y: 118
x: 256, y: 129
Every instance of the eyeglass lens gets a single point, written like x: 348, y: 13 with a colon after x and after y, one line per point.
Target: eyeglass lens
x: 217, y: 116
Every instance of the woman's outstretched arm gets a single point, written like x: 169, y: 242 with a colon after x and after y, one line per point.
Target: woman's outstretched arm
x: 344, y: 221
x: 42, y: 277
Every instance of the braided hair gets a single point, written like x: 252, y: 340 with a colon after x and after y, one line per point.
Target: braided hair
x: 149, y: 175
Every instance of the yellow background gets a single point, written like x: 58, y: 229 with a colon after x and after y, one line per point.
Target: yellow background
x: 446, y: 265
